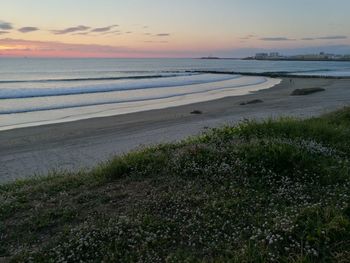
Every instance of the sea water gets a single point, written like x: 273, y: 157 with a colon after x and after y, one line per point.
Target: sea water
x: 42, y: 91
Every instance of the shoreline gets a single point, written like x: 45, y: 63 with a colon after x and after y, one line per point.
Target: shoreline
x: 124, y: 102
x: 85, y: 143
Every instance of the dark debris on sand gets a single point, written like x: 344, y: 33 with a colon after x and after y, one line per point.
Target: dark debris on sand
x: 251, y: 102
x: 301, y: 92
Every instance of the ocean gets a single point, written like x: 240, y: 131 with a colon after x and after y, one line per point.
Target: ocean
x: 42, y: 91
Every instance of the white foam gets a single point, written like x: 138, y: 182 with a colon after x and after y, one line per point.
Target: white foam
x: 134, y: 101
x: 107, y: 86
x: 84, y: 100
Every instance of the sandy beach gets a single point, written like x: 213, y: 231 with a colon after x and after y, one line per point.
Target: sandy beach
x: 83, y: 144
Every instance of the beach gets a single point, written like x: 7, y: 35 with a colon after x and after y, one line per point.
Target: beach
x: 83, y: 144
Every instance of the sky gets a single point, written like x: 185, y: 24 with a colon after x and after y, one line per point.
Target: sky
x: 172, y: 28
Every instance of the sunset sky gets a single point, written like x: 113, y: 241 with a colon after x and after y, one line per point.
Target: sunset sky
x: 172, y: 28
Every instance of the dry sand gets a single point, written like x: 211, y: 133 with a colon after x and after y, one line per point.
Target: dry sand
x: 83, y: 144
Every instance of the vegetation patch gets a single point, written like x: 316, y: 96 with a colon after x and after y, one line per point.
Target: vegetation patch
x: 276, y: 191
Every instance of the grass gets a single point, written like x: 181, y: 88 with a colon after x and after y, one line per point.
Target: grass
x: 307, y: 91
x: 277, y: 191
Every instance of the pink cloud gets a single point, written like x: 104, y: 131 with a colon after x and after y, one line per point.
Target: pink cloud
x: 155, y: 49
x: 21, y: 47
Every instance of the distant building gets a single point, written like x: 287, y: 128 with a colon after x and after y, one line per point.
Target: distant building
x: 261, y: 56
x: 274, y: 54
x: 322, y: 56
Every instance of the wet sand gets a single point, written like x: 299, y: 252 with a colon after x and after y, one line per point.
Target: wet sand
x: 83, y: 144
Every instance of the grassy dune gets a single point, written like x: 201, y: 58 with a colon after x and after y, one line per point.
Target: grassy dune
x: 276, y: 191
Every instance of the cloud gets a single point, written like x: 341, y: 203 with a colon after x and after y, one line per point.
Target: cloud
x: 276, y: 39
x: 3, y: 32
x: 324, y: 38
x: 5, y: 25
x: 248, y: 37
x: 70, y: 30
x: 81, y: 34
x: 157, y: 35
x: 28, y: 29
x: 53, y: 48
x: 21, y: 47
x: 150, y: 41
x: 333, y: 37
x: 163, y: 35
x: 113, y: 32
x: 103, y: 29
x: 83, y: 30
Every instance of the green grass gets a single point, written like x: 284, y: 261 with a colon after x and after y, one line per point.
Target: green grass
x: 276, y: 191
